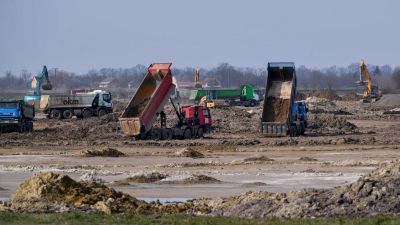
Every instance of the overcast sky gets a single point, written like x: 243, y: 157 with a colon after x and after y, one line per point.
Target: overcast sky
x: 79, y: 35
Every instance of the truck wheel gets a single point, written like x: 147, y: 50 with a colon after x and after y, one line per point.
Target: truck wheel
x: 302, y: 129
x: 200, y: 132
x: 67, y: 114
x: 167, y: 134
x: 56, y: 114
x: 86, y: 113
x: 155, y: 134
x: 102, y: 112
x: 187, y: 134
x: 253, y: 103
x: 292, y: 131
x: 29, y: 126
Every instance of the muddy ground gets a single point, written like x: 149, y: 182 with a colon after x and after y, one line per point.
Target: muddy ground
x: 345, y: 140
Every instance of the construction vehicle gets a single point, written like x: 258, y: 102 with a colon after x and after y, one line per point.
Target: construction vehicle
x: 81, y: 105
x: 246, y: 95
x: 16, y: 115
x: 37, y: 84
x: 148, y: 103
x: 281, y: 115
x: 372, y: 92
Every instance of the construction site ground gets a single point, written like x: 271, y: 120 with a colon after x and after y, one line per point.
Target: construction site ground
x: 345, y: 140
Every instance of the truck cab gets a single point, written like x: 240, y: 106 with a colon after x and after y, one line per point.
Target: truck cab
x: 299, y: 114
x: 196, y: 115
x: 15, y: 115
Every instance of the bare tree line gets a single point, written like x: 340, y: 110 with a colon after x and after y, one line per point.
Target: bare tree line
x: 226, y: 75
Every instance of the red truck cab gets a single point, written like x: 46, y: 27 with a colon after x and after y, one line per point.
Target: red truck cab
x: 196, y: 115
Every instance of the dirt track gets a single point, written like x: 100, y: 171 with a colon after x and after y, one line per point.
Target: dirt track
x: 336, y: 150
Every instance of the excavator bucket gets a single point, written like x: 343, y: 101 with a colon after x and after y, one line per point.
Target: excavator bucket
x: 47, y: 86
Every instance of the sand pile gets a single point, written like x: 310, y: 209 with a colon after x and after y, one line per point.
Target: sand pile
x: 260, y: 158
x: 351, y: 96
x: 189, y: 179
x: 189, y: 152
x: 324, y: 93
x: 327, y: 122
x: 49, y: 192
x: 321, y: 105
x: 106, y: 152
x: 145, y: 178
x: 376, y: 193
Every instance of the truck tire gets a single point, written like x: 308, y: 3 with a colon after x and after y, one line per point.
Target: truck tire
x: 302, y: 129
x: 86, y: 113
x: 167, y: 134
x: 187, y: 134
x: 200, y: 132
x: 56, y: 114
x: 29, y: 126
x: 292, y: 131
x: 253, y: 103
x: 101, y: 112
x: 155, y: 134
x: 67, y: 114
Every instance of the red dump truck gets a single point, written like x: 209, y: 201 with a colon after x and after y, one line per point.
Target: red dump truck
x: 148, y: 103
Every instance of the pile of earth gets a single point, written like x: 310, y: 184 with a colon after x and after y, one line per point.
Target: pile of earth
x: 324, y: 122
x: 105, y: 152
x: 159, y: 178
x: 49, y: 192
x: 351, y: 96
x: 324, y: 93
x: 321, y: 105
x: 234, y: 120
x: 189, y: 179
x: 190, y: 153
x: 376, y: 193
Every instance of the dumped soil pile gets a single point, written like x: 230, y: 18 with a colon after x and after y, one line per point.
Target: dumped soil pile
x: 276, y: 110
x: 189, y: 152
x: 321, y: 105
x: 351, y: 96
x: 261, y: 158
x: 324, y: 93
x: 49, y: 192
x: 106, y: 152
x: 145, y: 178
x: 330, y: 122
x: 234, y: 120
x: 376, y: 193
x: 189, y: 179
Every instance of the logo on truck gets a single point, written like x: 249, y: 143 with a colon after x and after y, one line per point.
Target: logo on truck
x: 69, y: 101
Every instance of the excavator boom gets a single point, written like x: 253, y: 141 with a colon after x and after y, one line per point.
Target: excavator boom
x: 364, y: 71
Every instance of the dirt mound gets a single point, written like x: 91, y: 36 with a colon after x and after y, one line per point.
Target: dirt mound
x: 307, y: 159
x: 254, y: 184
x: 106, y: 152
x: 145, y: 178
x: 261, y: 158
x: 189, y: 179
x: 324, y: 93
x: 49, y: 192
x: 189, y: 152
x: 351, y: 96
x: 374, y: 194
x: 330, y: 122
x: 277, y: 110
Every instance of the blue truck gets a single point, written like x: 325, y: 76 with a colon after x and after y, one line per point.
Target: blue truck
x: 281, y: 115
x: 17, y: 116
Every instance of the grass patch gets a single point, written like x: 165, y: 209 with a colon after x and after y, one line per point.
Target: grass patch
x: 96, y: 218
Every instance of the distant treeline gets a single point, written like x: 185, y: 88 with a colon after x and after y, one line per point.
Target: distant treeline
x: 224, y: 75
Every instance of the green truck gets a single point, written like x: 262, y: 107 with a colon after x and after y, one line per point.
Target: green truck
x: 246, y: 95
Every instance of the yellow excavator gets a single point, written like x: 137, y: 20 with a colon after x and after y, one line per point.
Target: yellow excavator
x: 372, y: 92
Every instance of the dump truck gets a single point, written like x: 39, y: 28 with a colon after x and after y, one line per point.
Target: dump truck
x: 15, y: 115
x: 278, y: 117
x: 81, y: 105
x: 137, y: 120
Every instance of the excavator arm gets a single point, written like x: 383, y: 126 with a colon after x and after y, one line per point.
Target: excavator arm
x: 37, y: 81
x: 364, y: 72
